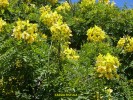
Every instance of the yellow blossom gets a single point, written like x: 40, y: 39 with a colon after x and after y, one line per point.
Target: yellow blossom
x: 64, y: 7
x: 18, y: 35
x: 18, y: 63
x: 121, y: 42
x: 60, y: 32
x: 126, y: 43
x: 25, y: 35
x: 85, y: 3
x: 51, y: 18
x: 45, y: 9
x: 70, y: 53
x: 25, y: 30
x: 2, y: 23
x: 44, y: 36
x: 104, y: 1
x: 108, y: 91
x: 4, y: 3
x: 106, y: 66
x: 112, y: 4
x: 95, y: 34
x: 32, y: 38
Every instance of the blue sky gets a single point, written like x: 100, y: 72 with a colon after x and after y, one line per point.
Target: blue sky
x: 119, y: 3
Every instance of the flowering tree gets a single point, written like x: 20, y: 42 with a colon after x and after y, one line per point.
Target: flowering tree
x: 50, y: 48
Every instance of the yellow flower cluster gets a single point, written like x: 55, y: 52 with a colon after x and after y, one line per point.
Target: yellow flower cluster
x: 106, y: 66
x: 95, y: 34
x: 60, y: 32
x: 52, y: 1
x: 63, y: 7
x: 112, y: 4
x: 121, y: 42
x: 4, y: 3
x: 108, y: 91
x: 18, y: 63
x: 48, y: 17
x: 85, y: 3
x: 43, y: 36
x: 126, y: 43
x: 2, y: 23
x: 70, y: 54
x: 25, y: 30
x: 46, y: 9
x: 104, y: 1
